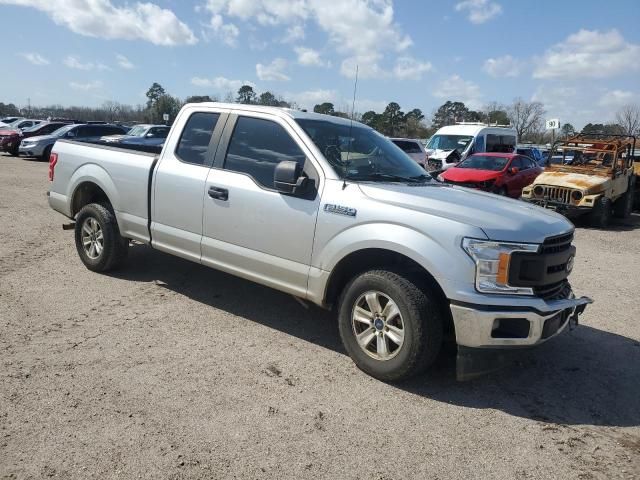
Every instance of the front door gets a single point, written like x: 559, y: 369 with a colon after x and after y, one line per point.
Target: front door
x: 250, y: 229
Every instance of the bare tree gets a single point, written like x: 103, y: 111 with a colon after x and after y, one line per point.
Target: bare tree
x: 526, y: 117
x: 628, y: 117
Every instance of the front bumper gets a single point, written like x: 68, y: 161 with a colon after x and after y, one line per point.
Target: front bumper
x: 483, y: 326
x: 31, y: 150
x: 563, y: 208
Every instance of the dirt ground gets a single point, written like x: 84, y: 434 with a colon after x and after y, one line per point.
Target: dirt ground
x: 168, y: 369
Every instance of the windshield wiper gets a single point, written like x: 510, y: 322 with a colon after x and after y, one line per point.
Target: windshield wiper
x: 390, y: 177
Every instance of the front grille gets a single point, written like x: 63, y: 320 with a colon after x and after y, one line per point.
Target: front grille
x: 553, y: 291
x: 557, y: 244
x: 434, y: 164
x: 557, y: 194
x: 545, y: 271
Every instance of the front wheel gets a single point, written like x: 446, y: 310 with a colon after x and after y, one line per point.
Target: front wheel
x: 391, y: 328
x: 98, y: 240
x: 623, y: 207
x: 601, y: 213
x: 46, y: 153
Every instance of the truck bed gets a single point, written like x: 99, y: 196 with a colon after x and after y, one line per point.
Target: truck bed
x: 123, y: 174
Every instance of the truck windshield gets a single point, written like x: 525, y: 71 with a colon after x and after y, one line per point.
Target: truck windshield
x: 138, y: 131
x: 449, y: 142
x: 62, y: 130
x: 361, y: 154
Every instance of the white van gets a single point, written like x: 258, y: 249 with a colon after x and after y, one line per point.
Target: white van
x: 452, y: 144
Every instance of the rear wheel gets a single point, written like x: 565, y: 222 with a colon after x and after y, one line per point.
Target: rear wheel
x: 14, y: 150
x: 623, y: 207
x: 601, y: 214
x: 46, y: 153
x: 391, y: 328
x: 98, y: 240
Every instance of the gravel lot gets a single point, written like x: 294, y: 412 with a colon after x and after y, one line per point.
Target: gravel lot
x: 167, y: 369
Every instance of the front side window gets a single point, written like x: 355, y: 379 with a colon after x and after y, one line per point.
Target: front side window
x: 360, y: 153
x: 257, y: 146
x: 159, y: 132
x: 194, y: 142
x: 518, y: 163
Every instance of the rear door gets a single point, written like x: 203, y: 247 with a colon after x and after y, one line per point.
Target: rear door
x: 250, y: 229
x: 179, y: 184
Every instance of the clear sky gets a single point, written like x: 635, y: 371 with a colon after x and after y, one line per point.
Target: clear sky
x: 581, y: 58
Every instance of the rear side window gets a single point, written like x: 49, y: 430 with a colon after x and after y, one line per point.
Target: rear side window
x: 159, y: 132
x: 50, y: 128
x: 500, y: 143
x: 194, y: 142
x: 257, y: 146
x: 110, y: 131
x: 408, y: 147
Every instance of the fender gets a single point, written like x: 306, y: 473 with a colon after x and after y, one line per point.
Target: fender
x: 437, y: 259
x: 93, y: 173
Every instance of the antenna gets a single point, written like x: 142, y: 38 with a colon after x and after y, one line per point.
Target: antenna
x: 353, y: 108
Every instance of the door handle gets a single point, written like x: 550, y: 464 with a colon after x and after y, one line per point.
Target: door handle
x: 219, y: 193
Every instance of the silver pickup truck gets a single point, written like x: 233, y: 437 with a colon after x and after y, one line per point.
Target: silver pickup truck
x: 333, y: 213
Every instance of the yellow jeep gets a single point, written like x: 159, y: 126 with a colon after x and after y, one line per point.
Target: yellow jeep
x: 595, y: 177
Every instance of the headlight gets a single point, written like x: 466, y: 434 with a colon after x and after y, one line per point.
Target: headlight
x: 492, y: 261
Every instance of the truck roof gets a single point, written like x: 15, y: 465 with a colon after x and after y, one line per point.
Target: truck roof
x: 280, y: 111
x: 472, y: 130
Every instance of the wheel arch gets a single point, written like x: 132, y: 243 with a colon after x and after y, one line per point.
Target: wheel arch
x: 91, y: 184
x: 85, y: 193
x: 366, y: 259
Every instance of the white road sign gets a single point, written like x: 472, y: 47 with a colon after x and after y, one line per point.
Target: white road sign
x: 165, y: 117
x: 553, y: 123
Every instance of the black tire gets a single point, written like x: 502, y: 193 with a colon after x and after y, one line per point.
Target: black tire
x: 623, y: 207
x: 502, y: 191
x: 14, y: 152
x: 46, y: 153
x: 114, y: 248
x: 422, y: 318
x: 600, y: 216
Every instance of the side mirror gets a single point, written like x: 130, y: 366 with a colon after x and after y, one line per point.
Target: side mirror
x: 71, y: 134
x: 288, y: 178
x: 149, y: 135
x: 514, y: 170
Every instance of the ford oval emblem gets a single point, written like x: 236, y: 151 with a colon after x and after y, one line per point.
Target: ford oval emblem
x: 569, y: 266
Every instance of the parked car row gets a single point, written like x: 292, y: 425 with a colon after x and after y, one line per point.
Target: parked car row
x: 35, y: 138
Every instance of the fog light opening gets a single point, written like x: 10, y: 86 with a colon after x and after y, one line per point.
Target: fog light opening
x: 510, y: 328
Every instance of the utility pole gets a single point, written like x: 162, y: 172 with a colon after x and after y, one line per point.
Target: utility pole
x: 29, y: 106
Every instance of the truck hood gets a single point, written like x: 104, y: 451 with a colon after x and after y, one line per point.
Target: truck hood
x: 456, y: 174
x: 8, y: 131
x: 500, y: 218
x: 438, y: 154
x: 580, y: 181
x: 41, y: 138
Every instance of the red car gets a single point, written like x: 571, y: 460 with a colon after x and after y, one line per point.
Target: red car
x: 502, y: 173
x: 10, y: 138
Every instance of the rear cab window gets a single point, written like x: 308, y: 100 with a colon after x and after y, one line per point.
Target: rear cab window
x: 195, y: 138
